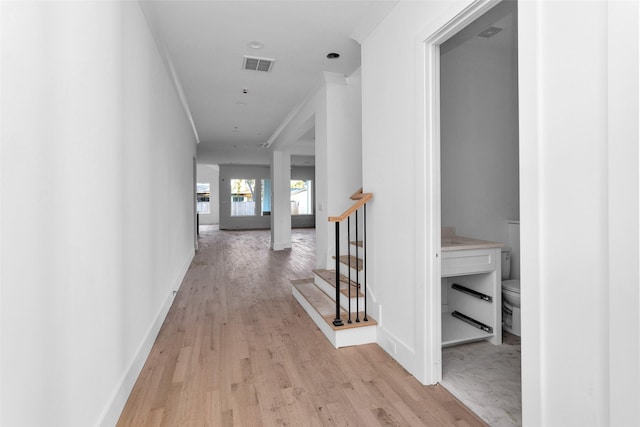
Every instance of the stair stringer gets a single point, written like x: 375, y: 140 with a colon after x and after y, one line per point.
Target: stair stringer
x: 363, y: 333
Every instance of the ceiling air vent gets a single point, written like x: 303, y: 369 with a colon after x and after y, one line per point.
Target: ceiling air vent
x: 489, y: 32
x: 257, y: 64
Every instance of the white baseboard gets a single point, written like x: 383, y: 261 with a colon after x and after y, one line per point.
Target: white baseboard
x: 278, y: 246
x: 119, y: 398
x: 398, y: 350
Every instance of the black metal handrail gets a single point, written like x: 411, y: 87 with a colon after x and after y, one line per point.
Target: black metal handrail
x: 361, y: 203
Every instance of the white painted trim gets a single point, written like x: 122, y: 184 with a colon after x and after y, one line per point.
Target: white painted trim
x: 326, y: 79
x: 164, y: 54
x: 356, y: 336
x: 623, y: 190
x: 183, y: 99
x: 118, y: 399
x: 329, y: 77
x: 1, y: 239
x: 397, y: 349
x: 342, y: 338
x: 427, y: 158
x: 319, y: 85
x: 531, y: 208
x: 279, y: 246
x: 195, y: 204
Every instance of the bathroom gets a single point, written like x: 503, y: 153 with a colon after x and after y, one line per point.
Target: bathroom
x: 479, y: 161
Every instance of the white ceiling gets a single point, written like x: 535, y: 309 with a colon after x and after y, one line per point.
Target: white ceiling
x: 204, y: 42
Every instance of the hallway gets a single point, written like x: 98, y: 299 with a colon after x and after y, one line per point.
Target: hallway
x: 236, y: 349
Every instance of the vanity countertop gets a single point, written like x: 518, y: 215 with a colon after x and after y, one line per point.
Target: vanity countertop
x: 451, y: 242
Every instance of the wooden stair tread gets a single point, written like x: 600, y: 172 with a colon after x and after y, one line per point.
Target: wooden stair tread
x: 326, y: 307
x: 361, y: 324
x: 329, y: 276
x: 358, y: 243
x: 318, y: 299
x: 355, y: 262
x: 357, y: 195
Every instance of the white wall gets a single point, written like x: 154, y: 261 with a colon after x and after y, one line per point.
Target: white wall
x: 338, y: 157
x: 396, y: 171
x: 334, y: 109
x: 624, y: 212
x: 479, y: 128
x: 97, y: 208
x: 229, y: 172
x: 211, y: 174
x: 578, y: 88
x: 579, y: 213
x: 257, y: 172
x: 1, y: 210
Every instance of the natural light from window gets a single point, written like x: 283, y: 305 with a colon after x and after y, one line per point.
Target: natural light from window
x: 203, y: 192
x: 265, y: 196
x: 301, y: 197
x: 243, y: 197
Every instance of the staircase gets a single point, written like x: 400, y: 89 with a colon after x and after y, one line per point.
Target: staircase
x: 341, y: 313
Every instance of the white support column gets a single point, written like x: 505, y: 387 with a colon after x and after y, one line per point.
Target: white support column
x: 280, y: 200
x: 623, y: 212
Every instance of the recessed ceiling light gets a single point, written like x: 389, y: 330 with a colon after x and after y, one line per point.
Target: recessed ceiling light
x: 255, y: 45
x: 333, y: 55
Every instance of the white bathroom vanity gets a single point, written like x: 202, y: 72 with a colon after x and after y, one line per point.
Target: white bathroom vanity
x: 471, y: 289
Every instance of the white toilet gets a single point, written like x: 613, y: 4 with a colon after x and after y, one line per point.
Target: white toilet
x: 510, y: 296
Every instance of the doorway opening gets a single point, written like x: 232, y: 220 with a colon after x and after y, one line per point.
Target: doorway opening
x: 477, y: 164
x: 196, y: 216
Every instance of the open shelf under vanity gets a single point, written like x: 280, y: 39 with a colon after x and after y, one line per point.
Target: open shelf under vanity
x: 471, y: 291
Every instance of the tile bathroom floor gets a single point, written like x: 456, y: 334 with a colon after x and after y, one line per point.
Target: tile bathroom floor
x: 486, y: 378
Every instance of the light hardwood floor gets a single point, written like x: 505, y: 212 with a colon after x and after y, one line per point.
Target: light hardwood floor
x: 237, y: 349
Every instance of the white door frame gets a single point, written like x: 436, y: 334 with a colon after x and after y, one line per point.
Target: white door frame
x: 431, y: 158
x: 195, y: 204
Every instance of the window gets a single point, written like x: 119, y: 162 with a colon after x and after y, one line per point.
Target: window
x: 243, y: 197
x: 266, y: 197
x: 301, y: 197
x: 203, y: 195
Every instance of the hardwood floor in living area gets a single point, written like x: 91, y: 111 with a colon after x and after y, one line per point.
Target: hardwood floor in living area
x: 237, y: 349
